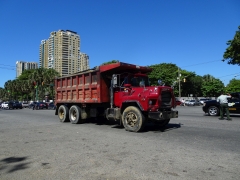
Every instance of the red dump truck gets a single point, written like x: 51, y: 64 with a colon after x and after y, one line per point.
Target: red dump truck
x: 118, y: 91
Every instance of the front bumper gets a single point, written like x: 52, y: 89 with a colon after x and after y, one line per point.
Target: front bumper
x: 163, y: 115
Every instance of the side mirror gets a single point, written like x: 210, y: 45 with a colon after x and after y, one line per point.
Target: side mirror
x: 160, y: 83
x: 114, y: 80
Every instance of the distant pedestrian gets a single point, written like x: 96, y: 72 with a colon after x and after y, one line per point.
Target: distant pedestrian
x: 222, y: 99
x: 183, y: 102
x: 35, y: 106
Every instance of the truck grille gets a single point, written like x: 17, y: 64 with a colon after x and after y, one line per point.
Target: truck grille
x: 166, y: 99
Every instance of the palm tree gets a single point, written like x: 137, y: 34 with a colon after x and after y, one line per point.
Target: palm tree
x: 25, y: 88
x: 3, y: 94
x: 8, y: 86
x: 38, y: 78
x: 49, y: 78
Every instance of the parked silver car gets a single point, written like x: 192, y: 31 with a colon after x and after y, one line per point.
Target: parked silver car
x: 194, y: 102
x: 25, y: 104
x: 204, y: 100
x: 186, y: 103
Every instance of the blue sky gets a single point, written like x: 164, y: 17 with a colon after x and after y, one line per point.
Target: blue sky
x: 189, y: 33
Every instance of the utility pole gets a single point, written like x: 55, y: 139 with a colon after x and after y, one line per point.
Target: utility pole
x: 36, y: 87
x: 179, y: 83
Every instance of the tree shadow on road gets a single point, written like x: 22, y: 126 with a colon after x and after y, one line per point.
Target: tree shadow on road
x: 11, y: 166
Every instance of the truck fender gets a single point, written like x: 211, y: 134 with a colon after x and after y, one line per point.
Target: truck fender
x: 125, y: 104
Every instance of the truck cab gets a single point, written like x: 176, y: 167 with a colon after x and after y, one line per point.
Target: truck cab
x: 154, y: 103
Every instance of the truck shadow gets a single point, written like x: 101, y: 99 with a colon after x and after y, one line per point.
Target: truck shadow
x: 157, y: 129
x: 148, y: 127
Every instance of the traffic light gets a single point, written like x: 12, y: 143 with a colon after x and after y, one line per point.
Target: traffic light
x: 184, y: 80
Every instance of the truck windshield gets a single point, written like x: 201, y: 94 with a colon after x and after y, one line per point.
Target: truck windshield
x: 139, y: 81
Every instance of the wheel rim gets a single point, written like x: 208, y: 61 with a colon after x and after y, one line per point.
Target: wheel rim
x: 74, y: 115
x: 212, y: 111
x: 131, y: 119
x: 61, y: 114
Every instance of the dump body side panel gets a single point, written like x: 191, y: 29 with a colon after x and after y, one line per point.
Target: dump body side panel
x: 86, y: 87
x: 91, y: 86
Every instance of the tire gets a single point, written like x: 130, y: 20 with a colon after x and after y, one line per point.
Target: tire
x: 162, y: 123
x: 63, y: 113
x: 75, y: 115
x: 213, y: 111
x: 133, y: 119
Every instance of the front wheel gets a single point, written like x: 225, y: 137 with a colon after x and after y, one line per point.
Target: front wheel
x: 63, y: 113
x: 133, y: 119
x: 213, y: 111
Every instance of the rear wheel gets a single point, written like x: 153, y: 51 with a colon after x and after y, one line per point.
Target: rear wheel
x: 63, y: 113
x: 75, y: 115
x: 213, y: 111
x: 133, y: 119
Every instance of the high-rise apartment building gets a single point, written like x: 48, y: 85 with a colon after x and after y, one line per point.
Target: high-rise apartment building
x: 84, y: 62
x: 63, y: 53
x: 43, y: 54
x: 21, y: 66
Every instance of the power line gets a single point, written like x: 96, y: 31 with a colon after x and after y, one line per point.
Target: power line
x: 7, y: 68
x: 212, y: 62
x: 6, y: 65
x: 202, y: 63
x: 229, y: 75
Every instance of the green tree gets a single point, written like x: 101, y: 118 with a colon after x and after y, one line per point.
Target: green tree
x: 232, y: 53
x: 9, y: 86
x: 211, y: 86
x: 110, y: 62
x: 192, y: 85
x: 38, y: 78
x: 48, y: 84
x: 27, y: 82
x: 166, y: 72
x: 233, y: 86
x: 3, y: 94
x: 26, y: 74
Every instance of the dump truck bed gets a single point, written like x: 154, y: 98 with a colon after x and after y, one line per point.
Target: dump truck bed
x: 91, y: 86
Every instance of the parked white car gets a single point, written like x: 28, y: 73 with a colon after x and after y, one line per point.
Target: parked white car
x: 5, y: 105
x: 25, y: 105
x: 187, y: 102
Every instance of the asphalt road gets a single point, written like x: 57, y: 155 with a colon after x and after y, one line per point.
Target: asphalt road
x: 35, y: 145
